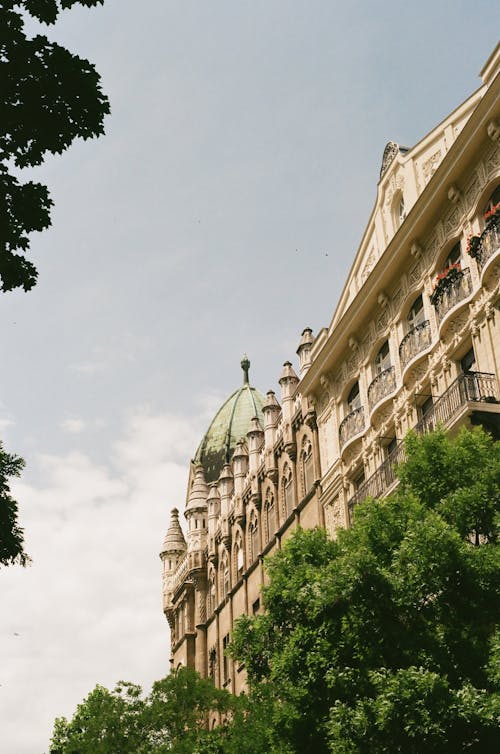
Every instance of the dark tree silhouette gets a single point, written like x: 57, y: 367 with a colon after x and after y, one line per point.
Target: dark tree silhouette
x: 49, y: 97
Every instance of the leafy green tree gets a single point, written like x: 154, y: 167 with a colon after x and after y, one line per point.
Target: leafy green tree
x: 386, y: 640
x: 11, y: 535
x: 172, y: 719
x: 49, y: 98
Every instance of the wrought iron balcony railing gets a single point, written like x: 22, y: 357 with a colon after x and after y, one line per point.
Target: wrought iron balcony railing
x: 384, y: 384
x: 467, y: 388
x: 451, y: 294
x: 489, y: 244
x: 383, y: 478
x: 415, y: 341
x: 471, y: 387
x: 352, y: 425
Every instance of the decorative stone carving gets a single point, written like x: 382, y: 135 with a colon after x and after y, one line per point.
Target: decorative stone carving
x: 368, y: 266
x: 493, y: 130
x: 414, y: 274
x: 454, y: 193
x: 390, y: 152
x: 416, y: 250
x: 430, y: 166
x: 382, y: 299
x: 452, y: 221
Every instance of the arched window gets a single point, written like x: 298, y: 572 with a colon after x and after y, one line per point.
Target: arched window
x: 224, y: 576
x: 254, y: 537
x: 416, y: 314
x: 307, y: 466
x: 270, y: 514
x: 398, y: 210
x: 287, y: 484
x: 493, y: 201
x: 211, y: 595
x: 353, y: 399
x: 239, y: 559
x: 383, y: 358
x: 401, y: 210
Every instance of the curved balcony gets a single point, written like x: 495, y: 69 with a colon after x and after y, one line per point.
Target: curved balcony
x: 414, y: 342
x: 489, y: 243
x: 451, y: 292
x: 383, y: 385
x: 351, y: 426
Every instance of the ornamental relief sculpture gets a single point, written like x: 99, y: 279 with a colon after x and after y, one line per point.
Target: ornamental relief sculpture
x: 415, y: 273
x: 472, y: 191
x: 368, y: 266
x: 430, y: 166
x: 453, y: 219
x: 493, y: 160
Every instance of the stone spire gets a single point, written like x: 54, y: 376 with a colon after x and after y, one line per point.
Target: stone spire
x: 197, y: 499
x: 245, y: 365
x: 174, y: 542
x: 288, y: 382
x: 304, y: 350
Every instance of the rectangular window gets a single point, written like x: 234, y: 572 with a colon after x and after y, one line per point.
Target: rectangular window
x: 225, y: 661
x: 288, y: 494
x: 308, y: 473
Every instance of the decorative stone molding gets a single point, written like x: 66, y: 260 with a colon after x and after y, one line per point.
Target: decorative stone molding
x: 416, y: 250
x: 430, y: 166
x: 353, y: 343
x: 493, y: 130
x: 390, y: 152
x: 382, y: 299
x: 454, y: 193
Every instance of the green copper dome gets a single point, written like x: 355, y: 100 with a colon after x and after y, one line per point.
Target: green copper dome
x: 230, y: 424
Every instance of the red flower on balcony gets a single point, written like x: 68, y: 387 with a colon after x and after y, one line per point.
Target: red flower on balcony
x: 448, y: 272
x: 445, y: 280
x: 473, y: 244
x: 493, y: 213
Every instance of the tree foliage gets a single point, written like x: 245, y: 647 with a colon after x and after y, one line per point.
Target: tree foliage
x: 11, y: 535
x: 171, y: 719
x: 49, y: 98
x: 383, y: 641
x: 387, y: 639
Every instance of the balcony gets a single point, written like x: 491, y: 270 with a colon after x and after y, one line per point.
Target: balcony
x: 383, y: 385
x: 489, y: 243
x: 414, y: 342
x: 450, y: 291
x: 351, y: 426
x: 473, y: 387
x: 380, y: 482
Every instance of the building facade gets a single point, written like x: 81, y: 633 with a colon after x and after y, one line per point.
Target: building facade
x: 414, y: 342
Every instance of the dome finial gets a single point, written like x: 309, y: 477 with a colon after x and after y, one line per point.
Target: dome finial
x: 245, y: 365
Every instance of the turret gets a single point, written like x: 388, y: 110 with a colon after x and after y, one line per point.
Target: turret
x: 240, y: 466
x: 213, y: 518
x: 196, y: 512
x: 288, y: 382
x: 225, y: 488
x: 304, y: 351
x: 255, y: 441
x: 174, y: 547
x: 271, y: 410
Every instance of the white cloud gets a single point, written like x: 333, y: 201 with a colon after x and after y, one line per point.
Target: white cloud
x: 4, y: 423
x: 73, y: 426
x: 89, y: 608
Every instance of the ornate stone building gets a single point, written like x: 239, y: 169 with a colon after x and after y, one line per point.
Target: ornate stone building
x: 414, y: 341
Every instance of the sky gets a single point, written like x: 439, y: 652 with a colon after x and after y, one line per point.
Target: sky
x: 219, y: 215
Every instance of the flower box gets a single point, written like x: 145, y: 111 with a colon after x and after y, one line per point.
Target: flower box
x: 445, y: 281
x: 473, y: 246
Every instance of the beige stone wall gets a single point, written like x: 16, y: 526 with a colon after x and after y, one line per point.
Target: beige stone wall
x: 327, y: 446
